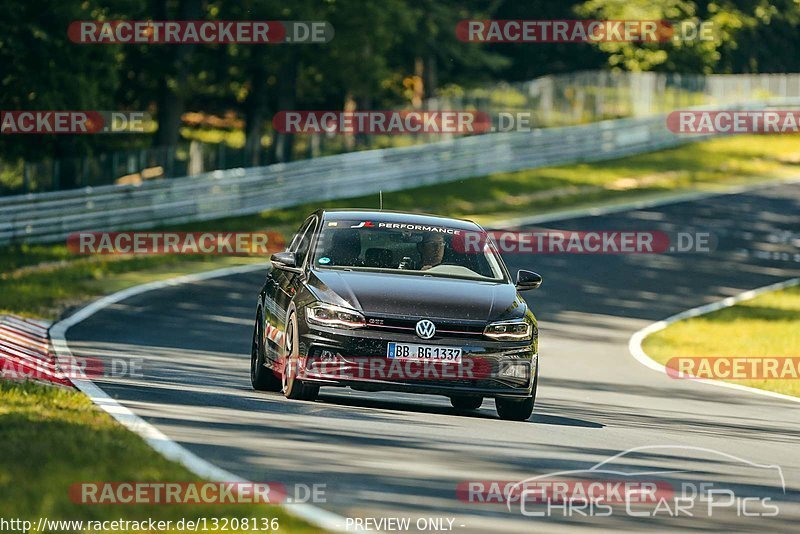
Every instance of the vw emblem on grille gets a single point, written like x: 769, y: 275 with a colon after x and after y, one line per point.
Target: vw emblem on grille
x: 425, y: 329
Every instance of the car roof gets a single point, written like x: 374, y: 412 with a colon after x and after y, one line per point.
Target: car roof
x: 396, y: 217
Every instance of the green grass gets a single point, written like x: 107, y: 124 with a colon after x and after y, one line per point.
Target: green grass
x: 768, y: 325
x: 54, y: 437
x: 49, y: 289
x: 42, y: 280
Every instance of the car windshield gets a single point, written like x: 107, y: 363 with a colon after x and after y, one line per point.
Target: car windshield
x: 407, y: 248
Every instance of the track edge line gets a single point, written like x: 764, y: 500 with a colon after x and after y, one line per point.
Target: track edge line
x: 156, y: 439
x: 636, y: 340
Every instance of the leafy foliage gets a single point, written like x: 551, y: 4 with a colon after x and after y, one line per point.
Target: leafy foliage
x: 385, y: 53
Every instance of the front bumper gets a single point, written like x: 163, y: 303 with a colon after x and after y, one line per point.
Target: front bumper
x: 358, y: 359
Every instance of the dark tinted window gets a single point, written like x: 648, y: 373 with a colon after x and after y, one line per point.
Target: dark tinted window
x: 419, y: 249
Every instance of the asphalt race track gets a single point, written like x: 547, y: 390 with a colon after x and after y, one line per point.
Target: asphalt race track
x: 390, y: 455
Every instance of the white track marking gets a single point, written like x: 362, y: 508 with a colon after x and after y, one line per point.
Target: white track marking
x: 638, y: 204
x: 154, y: 437
x: 635, y: 342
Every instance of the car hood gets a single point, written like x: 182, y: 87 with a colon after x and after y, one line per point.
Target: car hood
x: 387, y: 294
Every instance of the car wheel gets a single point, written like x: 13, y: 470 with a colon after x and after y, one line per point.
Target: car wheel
x: 262, y: 378
x: 466, y: 402
x: 292, y: 387
x: 515, y: 410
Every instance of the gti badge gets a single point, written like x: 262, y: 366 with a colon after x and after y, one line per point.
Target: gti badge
x: 425, y: 329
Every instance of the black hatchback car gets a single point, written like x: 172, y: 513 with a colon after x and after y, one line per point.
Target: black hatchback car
x: 389, y: 301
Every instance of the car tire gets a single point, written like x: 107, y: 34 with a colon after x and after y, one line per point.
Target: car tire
x: 516, y: 410
x: 292, y: 387
x: 262, y: 378
x: 466, y: 402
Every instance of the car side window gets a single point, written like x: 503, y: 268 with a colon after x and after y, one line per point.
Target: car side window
x: 302, y: 242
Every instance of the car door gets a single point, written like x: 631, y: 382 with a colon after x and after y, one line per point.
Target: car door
x: 281, y: 288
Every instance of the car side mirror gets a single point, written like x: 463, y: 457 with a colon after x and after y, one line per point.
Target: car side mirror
x: 284, y: 260
x: 528, y: 280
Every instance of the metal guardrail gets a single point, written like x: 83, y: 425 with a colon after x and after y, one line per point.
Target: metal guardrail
x: 48, y: 217
x: 589, y: 96
x: 548, y: 101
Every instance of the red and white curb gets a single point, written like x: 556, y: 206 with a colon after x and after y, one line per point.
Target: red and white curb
x: 636, y: 340
x: 25, y: 352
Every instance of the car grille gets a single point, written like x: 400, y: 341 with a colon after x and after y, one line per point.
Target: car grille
x: 444, y: 328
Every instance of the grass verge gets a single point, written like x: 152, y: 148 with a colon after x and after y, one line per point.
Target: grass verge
x: 54, y: 437
x: 768, y: 325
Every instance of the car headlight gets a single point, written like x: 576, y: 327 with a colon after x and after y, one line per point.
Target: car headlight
x: 329, y: 315
x: 509, y: 330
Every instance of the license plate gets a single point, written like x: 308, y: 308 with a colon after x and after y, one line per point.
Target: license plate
x: 425, y: 353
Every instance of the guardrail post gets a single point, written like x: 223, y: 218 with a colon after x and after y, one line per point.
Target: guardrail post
x: 26, y: 177
x: 114, y: 165
x: 85, y: 171
x: 170, y: 163
x: 56, y: 175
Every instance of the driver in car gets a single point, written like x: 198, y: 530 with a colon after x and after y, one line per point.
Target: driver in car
x: 431, y: 250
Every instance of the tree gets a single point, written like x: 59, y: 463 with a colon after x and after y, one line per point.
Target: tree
x: 748, y: 35
x: 175, y: 68
x: 41, y: 69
